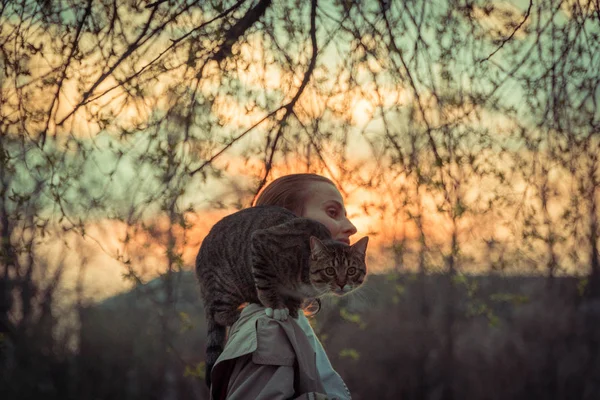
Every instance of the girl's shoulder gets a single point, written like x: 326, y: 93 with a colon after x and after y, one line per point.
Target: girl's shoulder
x: 256, y: 340
x: 269, y: 341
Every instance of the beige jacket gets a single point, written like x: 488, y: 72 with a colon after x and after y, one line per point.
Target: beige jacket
x: 266, y: 359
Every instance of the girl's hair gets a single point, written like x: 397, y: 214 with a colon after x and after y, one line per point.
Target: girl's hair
x: 289, y: 191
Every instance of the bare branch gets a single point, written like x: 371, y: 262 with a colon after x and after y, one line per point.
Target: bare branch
x: 397, y: 51
x: 290, y: 106
x: 240, y: 28
x: 506, y: 40
x: 174, y: 44
x: 67, y: 64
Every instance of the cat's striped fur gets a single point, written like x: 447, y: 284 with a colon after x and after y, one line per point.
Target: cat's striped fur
x: 268, y: 255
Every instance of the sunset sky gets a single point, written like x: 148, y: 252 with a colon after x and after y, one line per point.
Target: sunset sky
x: 366, y: 105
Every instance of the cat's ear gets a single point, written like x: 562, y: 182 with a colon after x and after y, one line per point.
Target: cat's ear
x: 361, y: 246
x: 316, y: 246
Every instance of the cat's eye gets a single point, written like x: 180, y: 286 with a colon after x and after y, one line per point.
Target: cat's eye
x: 330, y: 271
x: 351, y: 271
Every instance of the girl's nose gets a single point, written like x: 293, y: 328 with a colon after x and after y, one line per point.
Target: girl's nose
x: 349, y: 228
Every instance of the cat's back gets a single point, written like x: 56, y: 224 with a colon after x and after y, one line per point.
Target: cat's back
x: 232, y: 233
x: 246, y: 221
x: 223, y: 263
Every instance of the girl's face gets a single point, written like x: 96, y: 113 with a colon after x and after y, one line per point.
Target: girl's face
x: 325, y: 205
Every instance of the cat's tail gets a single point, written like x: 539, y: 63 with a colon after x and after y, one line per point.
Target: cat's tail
x: 215, y: 340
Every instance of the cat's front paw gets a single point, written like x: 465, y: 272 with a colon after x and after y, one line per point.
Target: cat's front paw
x: 280, y: 314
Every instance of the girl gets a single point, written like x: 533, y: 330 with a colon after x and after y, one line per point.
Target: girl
x: 267, y: 360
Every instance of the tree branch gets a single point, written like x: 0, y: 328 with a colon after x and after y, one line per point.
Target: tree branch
x: 395, y: 49
x: 240, y: 28
x: 74, y: 47
x: 289, y: 107
x: 174, y: 43
x: 504, y: 41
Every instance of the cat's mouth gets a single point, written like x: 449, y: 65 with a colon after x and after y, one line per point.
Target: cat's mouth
x: 341, y: 291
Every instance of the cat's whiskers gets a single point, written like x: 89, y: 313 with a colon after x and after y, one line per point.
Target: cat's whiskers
x: 323, y: 292
x: 362, y: 295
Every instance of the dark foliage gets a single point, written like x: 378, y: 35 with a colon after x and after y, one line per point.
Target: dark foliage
x: 514, y: 338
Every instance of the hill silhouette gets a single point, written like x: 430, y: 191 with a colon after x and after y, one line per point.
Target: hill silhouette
x: 402, y: 336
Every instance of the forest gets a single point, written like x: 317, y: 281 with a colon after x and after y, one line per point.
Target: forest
x: 464, y: 136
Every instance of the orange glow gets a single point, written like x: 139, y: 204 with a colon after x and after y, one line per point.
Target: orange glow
x: 386, y: 213
x: 111, y: 249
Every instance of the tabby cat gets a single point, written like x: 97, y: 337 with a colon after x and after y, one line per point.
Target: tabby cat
x: 268, y: 255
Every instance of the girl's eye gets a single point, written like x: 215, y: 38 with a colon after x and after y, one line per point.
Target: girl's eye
x: 332, y: 212
x: 330, y: 271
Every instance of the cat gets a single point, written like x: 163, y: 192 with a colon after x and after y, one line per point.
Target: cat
x: 268, y: 255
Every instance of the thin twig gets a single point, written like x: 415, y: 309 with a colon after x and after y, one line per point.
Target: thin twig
x: 74, y: 48
x: 174, y: 43
x: 504, y: 41
x: 289, y: 108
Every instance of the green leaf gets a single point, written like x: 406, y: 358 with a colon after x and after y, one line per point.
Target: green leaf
x: 352, y: 317
x: 582, y: 286
x: 198, y: 370
x: 350, y: 353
